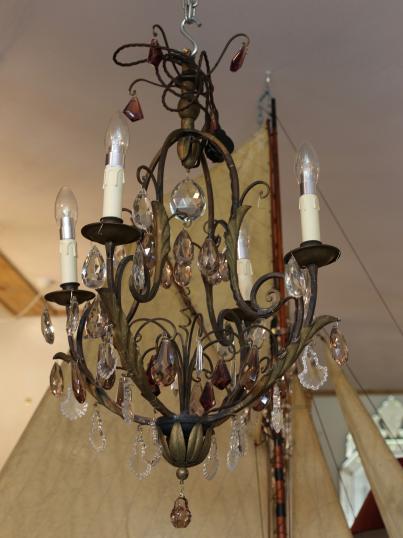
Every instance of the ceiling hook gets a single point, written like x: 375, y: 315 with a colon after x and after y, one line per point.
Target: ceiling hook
x: 189, y: 8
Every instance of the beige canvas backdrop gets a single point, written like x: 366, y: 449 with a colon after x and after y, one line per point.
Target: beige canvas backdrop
x: 55, y: 484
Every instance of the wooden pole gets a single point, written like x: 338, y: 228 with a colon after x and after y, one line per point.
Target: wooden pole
x: 278, y: 266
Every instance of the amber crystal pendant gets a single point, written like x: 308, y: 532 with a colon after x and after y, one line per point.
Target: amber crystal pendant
x: 77, y: 383
x: 133, y: 109
x: 164, y: 367
x: 207, y: 398
x: 250, y: 370
x: 56, y: 381
x: 181, y: 515
x: 221, y: 377
x: 155, y: 53
x: 239, y: 58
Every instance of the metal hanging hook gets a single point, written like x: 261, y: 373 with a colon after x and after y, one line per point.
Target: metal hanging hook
x: 189, y: 9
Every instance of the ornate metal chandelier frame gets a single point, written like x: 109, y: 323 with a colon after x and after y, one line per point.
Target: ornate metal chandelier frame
x: 186, y: 437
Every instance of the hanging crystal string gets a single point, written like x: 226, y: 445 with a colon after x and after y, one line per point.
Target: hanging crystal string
x: 97, y: 437
x: 137, y: 461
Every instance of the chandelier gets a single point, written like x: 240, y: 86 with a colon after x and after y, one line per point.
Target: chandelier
x: 211, y: 387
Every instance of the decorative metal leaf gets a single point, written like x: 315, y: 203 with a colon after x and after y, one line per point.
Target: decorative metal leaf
x: 195, y: 441
x: 177, y: 445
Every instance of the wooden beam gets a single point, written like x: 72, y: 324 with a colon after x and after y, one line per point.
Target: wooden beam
x: 16, y: 292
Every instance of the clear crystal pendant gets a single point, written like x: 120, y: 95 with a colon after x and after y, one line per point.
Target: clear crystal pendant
x: 306, y: 291
x: 312, y: 375
x: 155, y: 450
x: 183, y: 248
x: 97, y: 320
x: 137, y: 461
x: 56, y: 380
x: 97, y: 437
x: 187, y: 200
x: 94, y: 270
x: 234, y: 452
x: 208, y: 259
x: 199, y: 358
x: 138, y: 269
x: 294, y: 278
x: 338, y: 346
x: 277, y: 418
x: 142, y: 213
x: 175, y: 386
x: 127, y: 411
x: 73, y: 316
x: 243, y: 435
x: 107, y: 359
x: 47, y: 328
x: 211, y: 463
x: 70, y: 408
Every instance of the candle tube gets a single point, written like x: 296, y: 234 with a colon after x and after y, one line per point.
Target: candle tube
x: 66, y: 213
x: 116, y: 143
x: 244, y: 265
x: 307, y: 171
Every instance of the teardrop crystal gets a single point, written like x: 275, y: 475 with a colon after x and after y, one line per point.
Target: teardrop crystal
x: 239, y: 58
x: 166, y: 362
x: 221, y: 377
x: 97, y: 437
x: 294, y: 278
x: 97, y: 320
x: 107, y: 384
x: 208, y: 260
x: 250, y: 369
x: 56, y: 380
x: 181, y: 515
x: 70, y: 408
x: 154, y: 53
x: 195, y: 407
x: 211, y: 463
x: 142, y: 213
x: 223, y: 266
x: 338, y: 346
x: 154, y: 386
x: 77, y: 383
x: 133, y: 110
x: 137, y: 462
x: 182, y: 274
x: 107, y: 360
x: 187, y: 201
x: 148, y: 244
x: 183, y: 248
x: 73, y: 316
x: 118, y: 255
x: 207, y: 398
x: 138, y: 270
x: 312, y: 375
x: 47, y: 328
x: 262, y: 402
x: 167, y: 275
x: 94, y: 270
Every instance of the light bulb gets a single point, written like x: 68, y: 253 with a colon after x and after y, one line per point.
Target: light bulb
x: 307, y: 169
x: 117, y: 140
x: 66, y: 213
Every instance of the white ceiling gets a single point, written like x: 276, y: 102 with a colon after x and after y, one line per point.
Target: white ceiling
x: 338, y: 78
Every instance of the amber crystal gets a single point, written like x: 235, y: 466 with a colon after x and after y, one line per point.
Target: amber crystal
x: 338, y: 346
x: 107, y: 384
x: 182, y: 274
x: 47, y: 328
x: 221, y: 376
x: 155, y: 53
x: 250, y: 370
x: 165, y: 364
x: 262, y: 402
x: 56, y: 381
x: 133, y: 109
x: 149, y: 250
x: 77, y: 383
x: 154, y: 386
x: 207, y: 398
x: 239, y: 58
x: 223, y: 266
x: 183, y: 248
x: 181, y: 515
x: 195, y: 407
x: 167, y: 275
x: 208, y: 259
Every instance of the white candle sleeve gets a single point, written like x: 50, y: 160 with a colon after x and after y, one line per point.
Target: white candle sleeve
x: 309, y: 211
x: 114, y: 178
x: 68, y: 260
x: 245, y: 277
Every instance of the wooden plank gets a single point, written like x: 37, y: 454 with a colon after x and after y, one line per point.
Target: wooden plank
x: 16, y: 292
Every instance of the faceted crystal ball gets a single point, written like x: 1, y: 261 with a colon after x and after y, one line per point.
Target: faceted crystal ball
x: 181, y: 515
x: 187, y: 201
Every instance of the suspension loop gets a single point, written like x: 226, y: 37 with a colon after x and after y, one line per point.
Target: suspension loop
x: 189, y: 10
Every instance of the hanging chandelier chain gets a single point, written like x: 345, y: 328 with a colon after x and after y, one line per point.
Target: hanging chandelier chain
x: 189, y: 9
